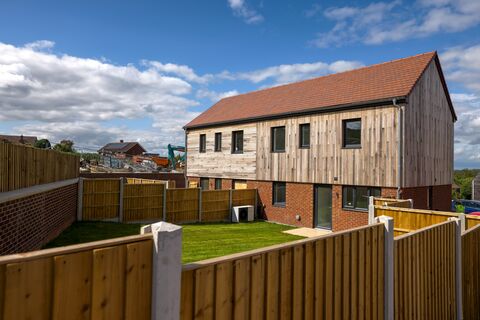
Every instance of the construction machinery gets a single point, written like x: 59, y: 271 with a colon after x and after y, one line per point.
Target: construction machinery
x: 171, y: 155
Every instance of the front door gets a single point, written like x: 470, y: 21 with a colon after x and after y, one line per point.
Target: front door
x: 323, y: 206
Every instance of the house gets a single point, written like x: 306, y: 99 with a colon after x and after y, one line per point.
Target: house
x: 29, y: 140
x: 122, y: 149
x: 316, y: 149
x: 476, y: 188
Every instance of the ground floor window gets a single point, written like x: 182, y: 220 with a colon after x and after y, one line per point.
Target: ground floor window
x: 357, y: 197
x: 239, y: 184
x: 218, y: 184
x: 279, y: 194
x: 204, y: 183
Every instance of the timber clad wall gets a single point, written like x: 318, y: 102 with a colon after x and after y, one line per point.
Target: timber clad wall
x: 29, y: 223
x: 428, y: 133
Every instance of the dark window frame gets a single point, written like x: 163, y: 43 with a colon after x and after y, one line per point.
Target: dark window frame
x: 202, y: 146
x: 273, y: 141
x: 218, y: 142
x: 202, y: 186
x: 218, y: 187
x: 234, y: 142
x: 354, y: 207
x: 301, y: 145
x: 276, y: 203
x: 346, y: 145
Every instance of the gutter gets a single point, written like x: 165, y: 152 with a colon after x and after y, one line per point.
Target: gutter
x: 401, y: 142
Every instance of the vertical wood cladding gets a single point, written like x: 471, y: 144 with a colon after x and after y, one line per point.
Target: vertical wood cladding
x: 428, y: 133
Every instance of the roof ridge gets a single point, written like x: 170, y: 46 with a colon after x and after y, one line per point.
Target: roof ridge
x: 331, y: 74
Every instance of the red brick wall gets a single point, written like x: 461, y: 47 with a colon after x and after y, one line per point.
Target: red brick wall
x: 419, y: 195
x: 226, y: 184
x: 442, y: 198
x: 299, y: 202
x: 29, y: 223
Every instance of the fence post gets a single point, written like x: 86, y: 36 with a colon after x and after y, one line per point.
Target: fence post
x: 164, y: 204
x: 256, y: 204
x: 120, y: 204
x: 389, y: 256
x: 371, y: 210
x: 458, y: 266
x: 230, y: 204
x: 80, y: 200
x: 167, y: 269
x: 462, y: 221
x: 199, y: 204
x: 411, y: 203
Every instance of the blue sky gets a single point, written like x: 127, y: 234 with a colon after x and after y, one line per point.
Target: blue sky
x: 95, y: 71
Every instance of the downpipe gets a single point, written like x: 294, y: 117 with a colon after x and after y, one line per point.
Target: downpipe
x: 400, y: 139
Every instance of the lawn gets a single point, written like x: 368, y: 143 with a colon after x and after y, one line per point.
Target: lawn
x: 200, y: 241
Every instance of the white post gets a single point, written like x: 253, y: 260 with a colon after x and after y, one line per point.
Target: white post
x: 120, y: 204
x: 80, y: 200
x: 411, y: 203
x: 462, y: 221
x: 167, y: 270
x: 458, y: 266
x: 388, y: 255
x: 371, y: 210
x: 164, y: 204
x: 199, y: 204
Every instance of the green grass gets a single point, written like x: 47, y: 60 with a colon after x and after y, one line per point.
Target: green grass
x: 200, y: 241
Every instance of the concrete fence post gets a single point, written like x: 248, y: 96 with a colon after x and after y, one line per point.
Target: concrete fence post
x: 458, y: 266
x: 167, y: 269
x: 199, y: 204
x: 230, y: 203
x: 462, y: 221
x: 411, y: 203
x: 80, y: 200
x: 164, y: 204
x: 389, y: 255
x: 371, y: 210
x: 120, y: 202
x: 256, y: 205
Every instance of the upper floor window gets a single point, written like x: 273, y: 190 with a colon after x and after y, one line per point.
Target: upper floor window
x: 352, y: 132
x: 203, y: 142
x: 237, y: 141
x: 278, y: 139
x: 357, y: 197
x: 218, y: 141
x: 305, y: 135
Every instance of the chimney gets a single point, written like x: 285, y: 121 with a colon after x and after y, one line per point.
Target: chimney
x: 121, y: 141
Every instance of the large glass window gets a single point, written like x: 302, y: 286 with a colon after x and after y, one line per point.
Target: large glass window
x: 237, y: 142
x: 278, y: 139
x: 352, y: 132
x: 279, y: 194
x: 204, y: 183
x: 218, y: 184
x: 203, y: 143
x: 357, y: 197
x: 218, y: 141
x: 305, y: 135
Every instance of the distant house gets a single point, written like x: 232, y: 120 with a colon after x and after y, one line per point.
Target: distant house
x: 30, y: 140
x: 122, y: 149
x: 476, y: 188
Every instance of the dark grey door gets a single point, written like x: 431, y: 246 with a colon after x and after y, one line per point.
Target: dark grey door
x: 323, y: 206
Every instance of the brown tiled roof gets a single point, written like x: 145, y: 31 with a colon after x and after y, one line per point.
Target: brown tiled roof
x: 394, y: 79
x: 120, y: 147
x: 19, y: 139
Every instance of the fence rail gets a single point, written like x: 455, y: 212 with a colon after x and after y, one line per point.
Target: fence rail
x: 24, y: 166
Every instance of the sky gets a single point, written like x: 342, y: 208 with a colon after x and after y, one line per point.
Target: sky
x: 100, y: 71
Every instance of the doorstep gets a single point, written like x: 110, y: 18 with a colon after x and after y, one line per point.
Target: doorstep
x: 307, y: 232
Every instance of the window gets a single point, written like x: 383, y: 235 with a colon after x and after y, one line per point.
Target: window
x: 279, y: 194
x: 278, y: 139
x: 305, y: 135
x: 357, y: 197
x: 237, y: 142
x: 218, y: 184
x: 203, y: 143
x: 239, y: 184
x: 352, y: 132
x: 204, y: 183
x: 218, y: 141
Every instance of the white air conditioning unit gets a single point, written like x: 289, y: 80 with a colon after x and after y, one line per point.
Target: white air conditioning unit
x: 242, y: 214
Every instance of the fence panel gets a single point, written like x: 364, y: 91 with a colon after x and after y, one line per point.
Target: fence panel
x: 99, y: 280
x: 24, y: 166
x: 143, y: 202
x: 182, y: 205
x: 424, y: 273
x: 471, y: 221
x: 101, y: 199
x: 243, y: 197
x: 383, y: 201
x: 216, y: 205
x: 335, y: 276
x: 471, y: 273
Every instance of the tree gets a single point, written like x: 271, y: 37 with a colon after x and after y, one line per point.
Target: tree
x: 43, y: 144
x: 463, y: 178
x: 65, y: 146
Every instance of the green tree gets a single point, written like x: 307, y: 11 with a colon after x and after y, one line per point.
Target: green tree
x: 463, y: 178
x: 42, y: 144
x: 65, y: 146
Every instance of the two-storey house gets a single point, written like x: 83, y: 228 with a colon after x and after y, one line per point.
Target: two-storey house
x: 316, y: 149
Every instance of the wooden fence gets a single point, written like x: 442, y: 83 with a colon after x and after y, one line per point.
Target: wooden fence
x: 23, y: 166
x: 471, y: 273
x: 425, y: 271
x: 336, y: 276
x: 112, y: 199
x: 170, y: 183
x: 109, y: 279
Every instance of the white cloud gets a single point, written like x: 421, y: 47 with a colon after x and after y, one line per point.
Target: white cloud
x: 241, y: 9
x: 215, y: 96
x: 393, y: 21
x: 40, y: 45
x: 182, y: 71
